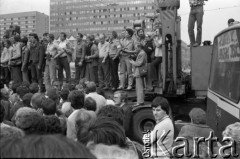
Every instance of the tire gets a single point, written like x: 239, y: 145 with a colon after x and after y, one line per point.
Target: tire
x: 142, y: 118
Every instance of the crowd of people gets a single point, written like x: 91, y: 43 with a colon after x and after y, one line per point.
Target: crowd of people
x: 43, y: 115
x: 80, y: 122
x: 112, y: 62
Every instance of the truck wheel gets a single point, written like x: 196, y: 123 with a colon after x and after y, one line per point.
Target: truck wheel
x: 142, y: 120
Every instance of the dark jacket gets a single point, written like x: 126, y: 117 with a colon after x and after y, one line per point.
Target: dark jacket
x: 25, y: 57
x: 148, y: 48
x: 37, y: 54
x: 92, y: 52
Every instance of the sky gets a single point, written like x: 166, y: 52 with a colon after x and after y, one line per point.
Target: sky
x: 216, y: 15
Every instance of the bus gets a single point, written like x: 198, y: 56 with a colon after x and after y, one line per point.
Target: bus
x: 223, y: 106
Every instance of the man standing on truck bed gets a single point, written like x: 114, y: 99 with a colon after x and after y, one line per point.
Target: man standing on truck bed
x: 196, y: 14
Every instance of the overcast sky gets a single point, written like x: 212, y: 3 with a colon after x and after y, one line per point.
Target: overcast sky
x: 217, y: 12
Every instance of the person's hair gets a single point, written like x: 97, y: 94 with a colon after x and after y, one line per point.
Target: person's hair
x: 163, y: 102
x: 45, y: 34
x: 233, y: 131
x: 27, y: 99
x: 103, y: 130
x: 198, y: 116
x: 76, y: 98
x: 49, y: 106
x: 15, y: 85
x: 22, y: 90
x: 90, y: 104
x: 129, y: 31
x: 83, y: 118
x: 35, y: 36
x: 80, y: 35
x: 100, y: 92
x: 24, y: 40
x: 123, y: 95
x: 52, y: 93
x: 17, y: 38
x: 111, y: 151
x: 64, y: 34
x: 34, y: 87
x: 25, y: 83
x: 43, y: 146
x: 30, y: 121
x: 51, y: 36
x: 64, y: 94
x: 114, y: 34
x: 91, y: 87
x: 11, y: 131
x: 139, y: 31
x: 8, y: 42
x: 230, y: 20
x: 36, y: 100
x: 91, y: 38
x: 2, y: 112
x: 116, y: 113
x: 53, y: 125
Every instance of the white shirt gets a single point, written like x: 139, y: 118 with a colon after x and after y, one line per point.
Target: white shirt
x: 100, y: 100
x: 103, y: 49
x: 158, y: 50
x: 63, y: 44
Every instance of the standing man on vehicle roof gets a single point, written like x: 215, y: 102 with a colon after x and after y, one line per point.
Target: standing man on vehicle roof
x: 196, y: 15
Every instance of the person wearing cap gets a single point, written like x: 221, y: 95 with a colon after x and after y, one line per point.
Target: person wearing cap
x: 196, y: 15
x: 128, y: 48
x: 80, y: 64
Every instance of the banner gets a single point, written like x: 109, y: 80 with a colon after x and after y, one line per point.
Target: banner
x: 228, y: 47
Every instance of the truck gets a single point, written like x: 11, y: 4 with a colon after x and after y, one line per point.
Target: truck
x: 207, y: 76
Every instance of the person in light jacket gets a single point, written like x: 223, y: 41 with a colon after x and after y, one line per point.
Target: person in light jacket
x: 140, y: 61
x: 16, y: 73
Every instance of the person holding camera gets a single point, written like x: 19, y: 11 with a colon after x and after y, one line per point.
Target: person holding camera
x: 50, y: 67
x: 140, y: 62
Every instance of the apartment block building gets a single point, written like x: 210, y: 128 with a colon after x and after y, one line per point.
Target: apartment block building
x: 28, y: 21
x: 96, y: 16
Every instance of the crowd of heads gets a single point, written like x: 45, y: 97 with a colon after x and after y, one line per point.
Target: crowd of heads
x: 29, y: 117
x: 60, y: 123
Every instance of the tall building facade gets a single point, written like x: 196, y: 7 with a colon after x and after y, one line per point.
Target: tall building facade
x: 96, y: 16
x: 29, y: 22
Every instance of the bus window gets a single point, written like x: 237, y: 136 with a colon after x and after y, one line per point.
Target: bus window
x: 225, y: 66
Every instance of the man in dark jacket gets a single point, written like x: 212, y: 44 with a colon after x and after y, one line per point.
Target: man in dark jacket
x: 36, y: 59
